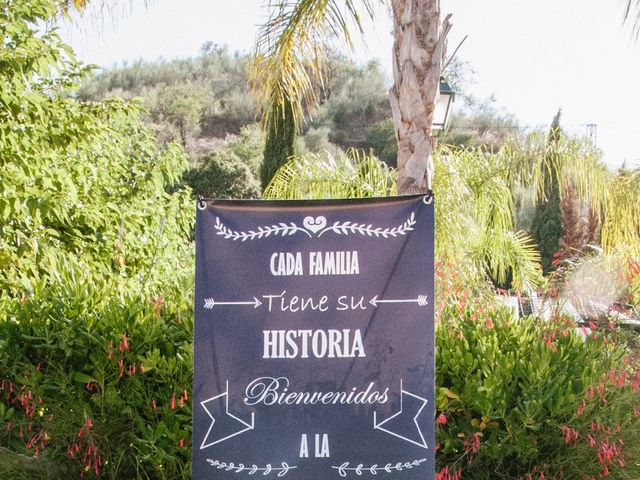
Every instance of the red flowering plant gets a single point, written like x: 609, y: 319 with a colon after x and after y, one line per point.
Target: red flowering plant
x: 514, y: 399
x: 95, y: 390
x: 96, y: 273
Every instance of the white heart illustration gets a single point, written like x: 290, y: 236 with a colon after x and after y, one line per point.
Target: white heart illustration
x: 314, y: 224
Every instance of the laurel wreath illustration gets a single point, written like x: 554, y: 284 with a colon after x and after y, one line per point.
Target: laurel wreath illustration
x: 345, y: 469
x: 315, y: 226
x: 268, y: 469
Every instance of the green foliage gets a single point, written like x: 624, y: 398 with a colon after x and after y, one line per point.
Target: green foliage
x: 621, y: 226
x: 182, y: 106
x: 231, y: 170
x: 315, y: 140
x: 546, y: 227
x: 381, y: 136
x: 323, y: 175
x: 95, y: 273
x: 510, y: 390
x: 89, y: 377
x: 633, y: 276
x: 76, y: 177
x: 248, y: 145
x: 279, y: 144
x: 223, y: 175
x: 292, y: 49
x: 359, y: 98
x: 475, y: 219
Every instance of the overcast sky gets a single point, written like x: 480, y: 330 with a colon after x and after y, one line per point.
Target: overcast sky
x: 534, y: 57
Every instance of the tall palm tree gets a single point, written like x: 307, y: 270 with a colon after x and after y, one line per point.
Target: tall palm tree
x: 290, y: 56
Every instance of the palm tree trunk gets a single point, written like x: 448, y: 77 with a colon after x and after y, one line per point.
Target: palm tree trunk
x: 418, y: 50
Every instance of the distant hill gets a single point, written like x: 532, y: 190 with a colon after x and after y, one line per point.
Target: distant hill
x: 199, y: 101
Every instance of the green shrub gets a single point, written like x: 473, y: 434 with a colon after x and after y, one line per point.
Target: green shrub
x: 223, y: 174
x: 315, y: 140
x: 248, y: 146
x: 96, y: 384
x: 83, y: 185
x: 96, y: 269
x: 511, y: 394
x: 232, y: 170
x: 382, y: 138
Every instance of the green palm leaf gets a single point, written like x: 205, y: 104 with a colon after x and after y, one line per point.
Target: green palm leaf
x: 621, y: 226
x: 323, y: 175
x: 290, y: 53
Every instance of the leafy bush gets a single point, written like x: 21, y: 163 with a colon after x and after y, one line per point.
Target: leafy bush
x: 231, y: 170
x: 531, y: 399
x: 223, y: 175
x: 182, y: 107
x: 248, y: 146
x: 95, y: 274
x: 96, y: 385
x: 83, y: 186
x: 315, y: 140
x: 381, y: 136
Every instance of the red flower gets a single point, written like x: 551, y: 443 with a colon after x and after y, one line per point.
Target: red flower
x: 442, y: 419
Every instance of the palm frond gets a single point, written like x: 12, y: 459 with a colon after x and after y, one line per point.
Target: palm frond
x: 291, y: 48
x: 621, y: 226
x: 475, y: 218
x: 323, y: 175
x: 632, y: 15
x: 503, y: 252
x: 574, y: 162
x: 455, y: 222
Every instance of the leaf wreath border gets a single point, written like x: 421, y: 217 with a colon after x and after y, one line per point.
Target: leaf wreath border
x: 291, y: 228
x: 375, y: 468
x: 281, y: 470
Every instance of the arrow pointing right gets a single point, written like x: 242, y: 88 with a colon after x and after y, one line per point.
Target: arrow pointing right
x: 209, y: 303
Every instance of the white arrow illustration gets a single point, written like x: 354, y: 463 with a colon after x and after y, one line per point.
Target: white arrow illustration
x: 209, y: 442
x: 420, y: 300
x: 210, y: 303
x: 421, y: 403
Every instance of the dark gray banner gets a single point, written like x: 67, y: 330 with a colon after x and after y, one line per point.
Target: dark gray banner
x: 314, y: 343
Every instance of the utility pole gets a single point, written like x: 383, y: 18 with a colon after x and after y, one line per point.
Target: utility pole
x: 592, y: 133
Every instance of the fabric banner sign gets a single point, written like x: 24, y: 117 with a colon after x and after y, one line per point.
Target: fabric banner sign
x: 314, y: 339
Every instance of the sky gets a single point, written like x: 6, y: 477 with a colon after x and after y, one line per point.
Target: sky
x: 533, y: 57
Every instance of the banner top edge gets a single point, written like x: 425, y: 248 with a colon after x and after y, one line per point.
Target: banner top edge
x: 314, y: 202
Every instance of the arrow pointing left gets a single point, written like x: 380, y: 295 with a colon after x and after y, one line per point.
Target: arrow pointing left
x: 209, y: 438
x: 209, y: 303
x: 420, y: 300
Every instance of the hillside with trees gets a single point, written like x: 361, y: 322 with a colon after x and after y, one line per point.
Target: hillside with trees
x: 206, y: 104
x: 199, y: 101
